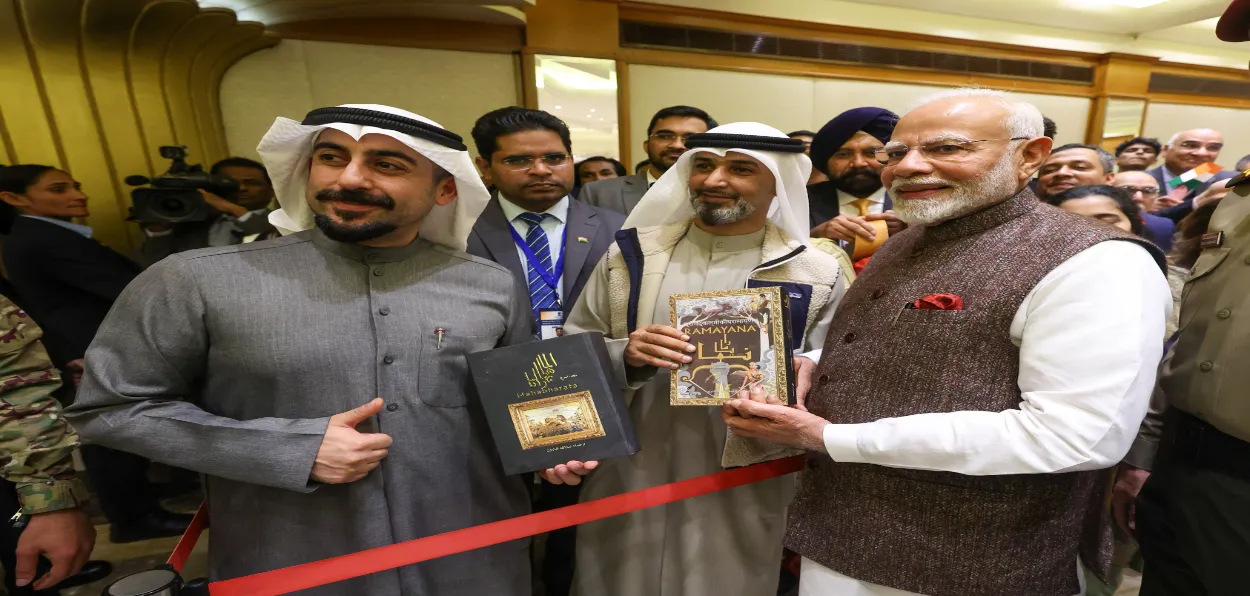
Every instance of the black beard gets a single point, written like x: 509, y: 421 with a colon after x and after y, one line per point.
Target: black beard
x: 356, y: 197
x: 352, y: 234
x: 859, y: 182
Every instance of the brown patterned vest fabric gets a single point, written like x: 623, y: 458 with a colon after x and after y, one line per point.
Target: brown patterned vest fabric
x: 942, y: 533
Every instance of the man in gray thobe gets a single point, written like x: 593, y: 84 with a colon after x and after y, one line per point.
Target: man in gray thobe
x: 730, y: 214
x: 262, y: 390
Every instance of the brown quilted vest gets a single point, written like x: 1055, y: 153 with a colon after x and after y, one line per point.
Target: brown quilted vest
x: 942, y: 533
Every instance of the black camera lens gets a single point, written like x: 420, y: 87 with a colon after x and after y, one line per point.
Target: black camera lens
x: 173, y: 206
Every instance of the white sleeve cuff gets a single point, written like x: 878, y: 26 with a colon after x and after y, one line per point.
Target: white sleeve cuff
x: 151, y: 234
x: 842, y: 443
x: 813, y: 355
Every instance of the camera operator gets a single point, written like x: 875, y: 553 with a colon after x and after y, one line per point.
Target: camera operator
x: 240, y: 217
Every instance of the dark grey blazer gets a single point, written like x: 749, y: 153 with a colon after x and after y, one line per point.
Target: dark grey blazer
x: 491, y: 240
x: 618, y: 194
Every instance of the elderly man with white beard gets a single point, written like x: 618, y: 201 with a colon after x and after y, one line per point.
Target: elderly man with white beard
x: 1004, y: 353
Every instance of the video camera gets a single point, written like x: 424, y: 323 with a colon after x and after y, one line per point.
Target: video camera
x: 173, y: 197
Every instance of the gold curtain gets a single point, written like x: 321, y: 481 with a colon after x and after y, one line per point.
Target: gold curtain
x: 95, y: 86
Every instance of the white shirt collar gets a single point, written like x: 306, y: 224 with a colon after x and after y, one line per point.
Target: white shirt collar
x: 650, y: 178
x: 876, y: 197
x: 84, y: 231
x: 511, y: 210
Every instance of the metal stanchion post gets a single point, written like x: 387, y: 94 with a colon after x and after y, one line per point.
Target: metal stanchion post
x: 162, y: 581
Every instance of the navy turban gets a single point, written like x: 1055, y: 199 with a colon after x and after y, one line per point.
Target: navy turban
x: 878, y: 122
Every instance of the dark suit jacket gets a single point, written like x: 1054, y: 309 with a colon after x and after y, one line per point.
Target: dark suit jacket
x: 1159, y: 230
x: 823, y: 205
x: 67, y: 283
x: 618, y: 194
x: 492, y: 240
x: 1178, y: 212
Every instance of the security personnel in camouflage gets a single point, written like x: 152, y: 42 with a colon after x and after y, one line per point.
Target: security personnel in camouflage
x: 36, y: 447
x: 36, y: 441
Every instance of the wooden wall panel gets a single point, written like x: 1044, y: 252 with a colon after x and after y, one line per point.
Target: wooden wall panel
x: 150, y: 37
x: 25, y: 130
x: 95, y: 86
x: 179, y: 56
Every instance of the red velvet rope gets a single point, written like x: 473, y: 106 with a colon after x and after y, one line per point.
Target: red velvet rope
x: 317, y: 573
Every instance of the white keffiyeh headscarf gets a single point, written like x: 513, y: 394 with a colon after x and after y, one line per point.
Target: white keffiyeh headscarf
x: 668, y: 200
x: 287, y: 149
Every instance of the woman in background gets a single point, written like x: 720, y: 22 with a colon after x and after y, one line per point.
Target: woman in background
x: 68, y: 282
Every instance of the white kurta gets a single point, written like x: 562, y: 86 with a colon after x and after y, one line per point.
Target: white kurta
x: 727, y: 542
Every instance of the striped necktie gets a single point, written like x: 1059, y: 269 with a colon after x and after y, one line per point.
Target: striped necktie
x: 542, y: 296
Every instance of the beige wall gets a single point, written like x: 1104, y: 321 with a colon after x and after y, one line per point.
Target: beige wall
x: 1164, y: 120
x: 790, y: 102
x: 451, y: 88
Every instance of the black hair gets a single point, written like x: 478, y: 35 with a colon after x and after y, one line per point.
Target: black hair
x: 617, y: 166
x: 1049, y: 130
x: 1122, y: 199
x: 1149, y: 142
x: 239, y: 162
x: 1106, y: 159
x: 801, y: 133
x: 686, y: 111
x: 17, y: 180
x: 642, y: 164
x: 509, y: 120
x: 1243, y: 163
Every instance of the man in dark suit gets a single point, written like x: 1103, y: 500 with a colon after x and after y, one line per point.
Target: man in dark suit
x: 239, y: 216
x: 845, y: 150
x: 68, y: 283
x: 532, y: 227
x: 1145, y: 191
x: 666, y: 141
x: 1185, y: 151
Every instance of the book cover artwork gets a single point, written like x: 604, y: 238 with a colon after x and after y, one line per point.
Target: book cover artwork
x: 739, y: 339
x: 553, y: 420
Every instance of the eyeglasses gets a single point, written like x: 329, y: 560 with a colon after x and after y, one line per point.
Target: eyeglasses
x: 1146, y: 191
x: 846, y: 154
x: 948, y: 151
x: 665, y: 136
x: 522, y: 163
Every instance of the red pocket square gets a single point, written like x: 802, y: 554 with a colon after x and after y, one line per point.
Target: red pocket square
x: 939, y: 302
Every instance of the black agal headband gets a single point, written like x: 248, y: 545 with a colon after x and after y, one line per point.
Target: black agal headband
x: 758, y: 143
x: 388, y: 121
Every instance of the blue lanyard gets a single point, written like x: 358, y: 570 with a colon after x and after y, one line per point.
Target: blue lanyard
x: 552, y: 280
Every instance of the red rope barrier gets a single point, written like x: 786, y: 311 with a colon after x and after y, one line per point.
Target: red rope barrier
x: 317, y: 573
x: 178, y: 558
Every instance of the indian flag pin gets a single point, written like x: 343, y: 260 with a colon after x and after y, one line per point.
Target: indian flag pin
x: 582, y: 239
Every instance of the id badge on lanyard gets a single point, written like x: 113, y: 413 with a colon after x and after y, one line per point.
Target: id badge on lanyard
x: 550, y: 324
x: 550, y: 321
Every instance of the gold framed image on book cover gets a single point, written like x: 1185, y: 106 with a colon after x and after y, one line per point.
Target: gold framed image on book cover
x: 556, y: 420
x: 740, y: 342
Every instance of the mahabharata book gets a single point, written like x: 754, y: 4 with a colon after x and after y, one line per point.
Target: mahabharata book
x: 742, y: 341
x: 553, y: 401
